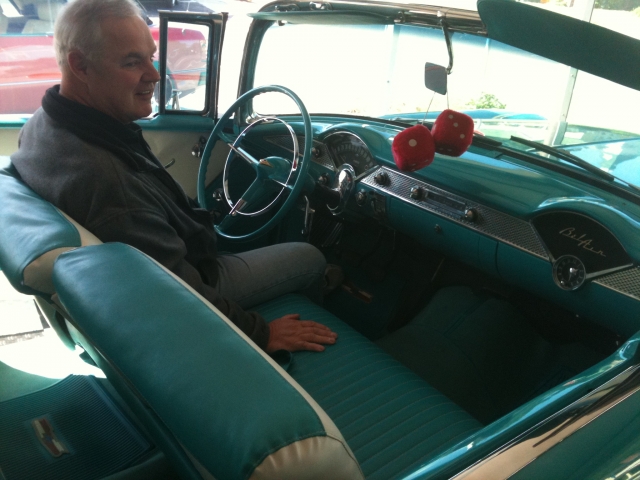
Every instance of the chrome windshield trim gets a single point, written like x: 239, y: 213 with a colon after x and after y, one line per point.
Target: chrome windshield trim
x: 528, y: 446
x: 458, y: 19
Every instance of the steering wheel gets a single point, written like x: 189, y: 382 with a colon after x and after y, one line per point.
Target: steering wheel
x: 273, y: 174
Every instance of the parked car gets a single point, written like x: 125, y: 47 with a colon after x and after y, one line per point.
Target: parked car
x: 28, y: 65
x: 489, y: 316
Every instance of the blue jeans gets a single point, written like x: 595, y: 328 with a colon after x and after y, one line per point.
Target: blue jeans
x: 253, y: 277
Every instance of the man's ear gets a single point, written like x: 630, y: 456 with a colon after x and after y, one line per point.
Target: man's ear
x: 78, y: 65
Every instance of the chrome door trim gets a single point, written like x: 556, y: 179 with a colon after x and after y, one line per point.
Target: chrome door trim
x: 528, y: 446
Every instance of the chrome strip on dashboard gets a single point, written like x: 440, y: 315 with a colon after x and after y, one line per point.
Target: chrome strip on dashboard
x: 505, y: 228
x: 528, y: 446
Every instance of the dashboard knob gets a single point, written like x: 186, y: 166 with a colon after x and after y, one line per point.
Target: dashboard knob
x: 417, y: 193
x: 381, y: 178
x: 323, y: 179
x: 470, y: 214
x: 361, y: 197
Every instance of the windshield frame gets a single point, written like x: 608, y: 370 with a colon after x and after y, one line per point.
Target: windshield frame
x: 387, y: 14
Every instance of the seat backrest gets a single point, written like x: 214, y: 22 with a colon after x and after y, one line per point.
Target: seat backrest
x: 32, y: 235
x: 217, y: 405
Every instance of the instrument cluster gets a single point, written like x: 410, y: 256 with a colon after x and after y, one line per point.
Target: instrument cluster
x: 345, y: 148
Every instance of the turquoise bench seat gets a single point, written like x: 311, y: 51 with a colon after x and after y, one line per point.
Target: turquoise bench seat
x: 391, y: 418
x: 218, y: 406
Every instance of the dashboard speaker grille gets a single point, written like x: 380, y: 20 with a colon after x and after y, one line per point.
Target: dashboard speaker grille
x: 626, y: 282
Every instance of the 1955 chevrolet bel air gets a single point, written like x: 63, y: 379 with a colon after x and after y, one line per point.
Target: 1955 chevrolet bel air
x: 489, y: 316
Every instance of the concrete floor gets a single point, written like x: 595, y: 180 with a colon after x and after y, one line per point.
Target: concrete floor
x: 18, y: 313
x: 28, y: 347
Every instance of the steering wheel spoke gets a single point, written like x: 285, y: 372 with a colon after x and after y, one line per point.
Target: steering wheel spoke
x: 226, y: 138
x: 257, y: 192
x: 228, y: 223
x: 242, y: 153
x: 279, y: 181
x: 281, y: 185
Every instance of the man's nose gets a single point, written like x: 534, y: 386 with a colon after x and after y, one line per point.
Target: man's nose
x: 151, y: 74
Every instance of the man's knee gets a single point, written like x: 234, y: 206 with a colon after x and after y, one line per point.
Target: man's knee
x: 310, y: 257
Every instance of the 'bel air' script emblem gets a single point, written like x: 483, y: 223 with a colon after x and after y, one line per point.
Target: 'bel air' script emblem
x: 582, y: 241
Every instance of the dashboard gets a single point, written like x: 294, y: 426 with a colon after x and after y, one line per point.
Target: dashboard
x: 334, y: 150
x: 548, y: 234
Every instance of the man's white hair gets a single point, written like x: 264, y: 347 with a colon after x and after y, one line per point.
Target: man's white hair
x: 78, y: 26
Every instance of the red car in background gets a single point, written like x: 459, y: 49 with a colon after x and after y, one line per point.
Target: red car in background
x: 28, y: 65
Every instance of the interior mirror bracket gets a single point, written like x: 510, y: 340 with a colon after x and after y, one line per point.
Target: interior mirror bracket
x: 447, y: 38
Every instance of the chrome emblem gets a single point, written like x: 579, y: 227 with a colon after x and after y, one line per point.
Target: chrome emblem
x: 48, y: 438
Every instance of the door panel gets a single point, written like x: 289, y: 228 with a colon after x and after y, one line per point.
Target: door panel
x: 178, y: 145
x: 8, y: 139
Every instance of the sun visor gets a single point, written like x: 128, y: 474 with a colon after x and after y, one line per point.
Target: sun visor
x: 585, y: 46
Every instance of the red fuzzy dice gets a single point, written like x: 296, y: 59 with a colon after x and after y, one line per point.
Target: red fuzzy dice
x: 452, y: 133
x: 413, y: 148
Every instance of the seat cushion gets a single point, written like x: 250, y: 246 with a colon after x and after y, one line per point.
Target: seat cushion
x: 391, y: 418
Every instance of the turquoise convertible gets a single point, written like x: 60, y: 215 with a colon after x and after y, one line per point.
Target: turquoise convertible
x: 489, y: 316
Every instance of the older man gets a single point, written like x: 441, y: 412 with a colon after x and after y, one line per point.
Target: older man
x: 82, y: 153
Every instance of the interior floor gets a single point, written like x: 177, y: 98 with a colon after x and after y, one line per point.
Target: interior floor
x: 487, y: 346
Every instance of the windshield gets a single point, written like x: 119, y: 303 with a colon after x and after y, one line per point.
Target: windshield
x: 378, y: 71
x: 621, y: 158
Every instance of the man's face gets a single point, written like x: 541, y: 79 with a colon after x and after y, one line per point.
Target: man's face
x: 121, y: 82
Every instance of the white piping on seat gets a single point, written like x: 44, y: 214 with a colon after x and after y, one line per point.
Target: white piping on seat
x: 38, y: 274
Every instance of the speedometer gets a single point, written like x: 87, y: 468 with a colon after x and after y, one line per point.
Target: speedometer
x: 347, y: 148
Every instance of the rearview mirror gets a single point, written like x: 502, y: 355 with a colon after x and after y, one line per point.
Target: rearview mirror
x: 435, y: 78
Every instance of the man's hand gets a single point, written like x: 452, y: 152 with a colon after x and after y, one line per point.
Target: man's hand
x: 292, y: 334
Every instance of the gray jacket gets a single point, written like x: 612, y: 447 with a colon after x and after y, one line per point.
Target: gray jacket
x: 137, y: 204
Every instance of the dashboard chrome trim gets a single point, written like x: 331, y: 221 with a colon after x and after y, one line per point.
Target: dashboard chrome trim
x: 492, y: 223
